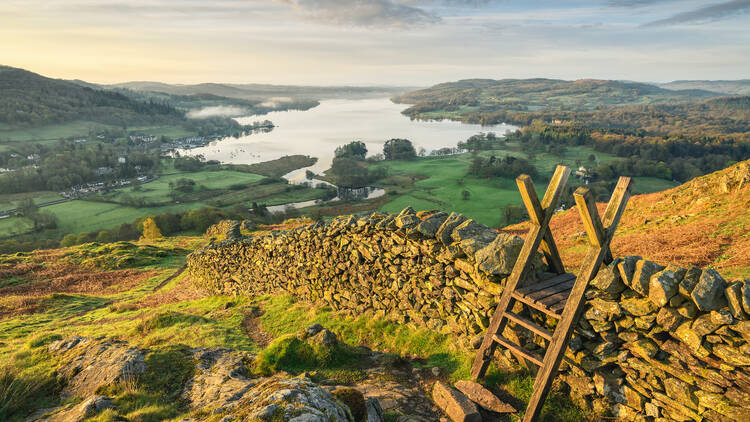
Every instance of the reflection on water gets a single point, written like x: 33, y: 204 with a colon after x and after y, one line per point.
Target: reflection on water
x: 318, y: 131
x: 343, y: 194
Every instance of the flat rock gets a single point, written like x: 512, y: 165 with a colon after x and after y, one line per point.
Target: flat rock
x: 500, y: 255
x: 444, y: 233
x: 733, y: 293
x: 483, y: 397
x: 455, y: 404
x: 644, y: 270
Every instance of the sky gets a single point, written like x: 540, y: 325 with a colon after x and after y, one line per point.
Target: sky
x: 380, y: 42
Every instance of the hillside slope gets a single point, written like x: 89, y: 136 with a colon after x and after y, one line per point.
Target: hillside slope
x: 28, y: 99
x: 705, y: 221
x: 535, y: 94
x: 740, y: 87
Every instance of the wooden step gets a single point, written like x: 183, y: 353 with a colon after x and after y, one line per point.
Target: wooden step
x: 518, y: 350
x: 548, y: 296
x: 528, y: 324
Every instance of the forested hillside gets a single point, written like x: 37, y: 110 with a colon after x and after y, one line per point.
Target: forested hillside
x: 29, y: 99
x: 740, y: 87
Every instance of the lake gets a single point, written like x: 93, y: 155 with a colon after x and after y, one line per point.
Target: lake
x: 318, y: 131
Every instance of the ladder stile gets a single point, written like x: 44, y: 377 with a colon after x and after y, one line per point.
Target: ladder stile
x: 562, y: 296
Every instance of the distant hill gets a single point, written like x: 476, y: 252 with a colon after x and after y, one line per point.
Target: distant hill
x: 260, y: 92
x: 738, y: 87
x: 702, y: 222
x: 539, y: 94
x: 28, y: 99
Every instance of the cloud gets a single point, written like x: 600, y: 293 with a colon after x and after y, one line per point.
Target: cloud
x: 362, y: 12
x: 705, y: 14
x: 214, y: 111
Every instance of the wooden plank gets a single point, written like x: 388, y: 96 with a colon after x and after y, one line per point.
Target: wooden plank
x: 551, y: 300
x: 590, y: 216
x: 574, y: 306
x: 518, y: 350
x: 529, y: 324
x: 562, y: 278
x: 559, y: 306
x: 531, y: 244
x: 537, y: 306
x: 549, y: 291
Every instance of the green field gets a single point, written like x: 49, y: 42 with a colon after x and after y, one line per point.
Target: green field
x: 437, y: 182
x: 651, y: 184
x: 86, y: 216
x: 158, y: 190
x: 56, y: 131
x: 12, y: 226
x: 10, y: 201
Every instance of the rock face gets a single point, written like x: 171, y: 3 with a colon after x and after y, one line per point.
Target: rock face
x: 96, y: 363
x: 455, y: 404
x: 644, y: 325
x: 221, y: 378
x: 293, y: 400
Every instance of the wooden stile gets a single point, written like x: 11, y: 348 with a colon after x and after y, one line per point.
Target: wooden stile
x: 561, y: 296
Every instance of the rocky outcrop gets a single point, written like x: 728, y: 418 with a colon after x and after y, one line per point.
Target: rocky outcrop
x: 655, y: 342
x: 88, y: 364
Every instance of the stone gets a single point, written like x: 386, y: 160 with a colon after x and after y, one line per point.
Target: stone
x: 626, y: 268
x: 680, y: 391
x: 668, y: 318
x: 688, y: 336
x: 708, y: 294
x: 83, y: 410
x: 663, y: 286
x: 483, y: 397
x: 733, y: 294
x: 689, y: 281
x: 95, y: 363
x: 731, y: 355
x: 638, y: 306
x: 407, y: 221
x: 429, y: 227
x: 703, y: 325
x: 221, y: 378
x: 644, y: 348
x: 608, y: 280
x: 454, y: 403
x: 642, y: 276
x: 746, y: 297
x: 498, y: 257
x: 445, y: 232
x: 374, y: 411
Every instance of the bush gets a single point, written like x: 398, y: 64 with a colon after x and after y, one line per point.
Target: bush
x: 69, y: 240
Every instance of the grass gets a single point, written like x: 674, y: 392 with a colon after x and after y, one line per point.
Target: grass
x: 159, y: 191
x: 86, y: 216
x: 51, y: 132
x: 281, y: 166
x: 438, y: 182
x: 13, y: 226
x: 175, y: 318
x: 10, y: 201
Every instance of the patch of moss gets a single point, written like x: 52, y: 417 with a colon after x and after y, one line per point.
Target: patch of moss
x: 288, y: 353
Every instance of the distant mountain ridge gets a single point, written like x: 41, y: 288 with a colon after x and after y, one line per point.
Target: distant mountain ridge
x: 731, y: 87
x: 252, y: 91
x: 29, y: 99
x: 538, y: 93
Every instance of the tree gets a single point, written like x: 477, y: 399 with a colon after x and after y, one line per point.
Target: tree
x: 465, y: 195
x: 27, y: 208
x: 399, y: 149
x: 356, y: 150
x: 150, y: 230
x: 104, y: 236
x: 69, y: 240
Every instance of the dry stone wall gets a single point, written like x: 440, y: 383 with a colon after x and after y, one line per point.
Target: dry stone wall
x: 655, y: 342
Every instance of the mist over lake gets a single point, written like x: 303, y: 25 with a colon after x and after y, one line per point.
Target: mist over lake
x: 318, y: 131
